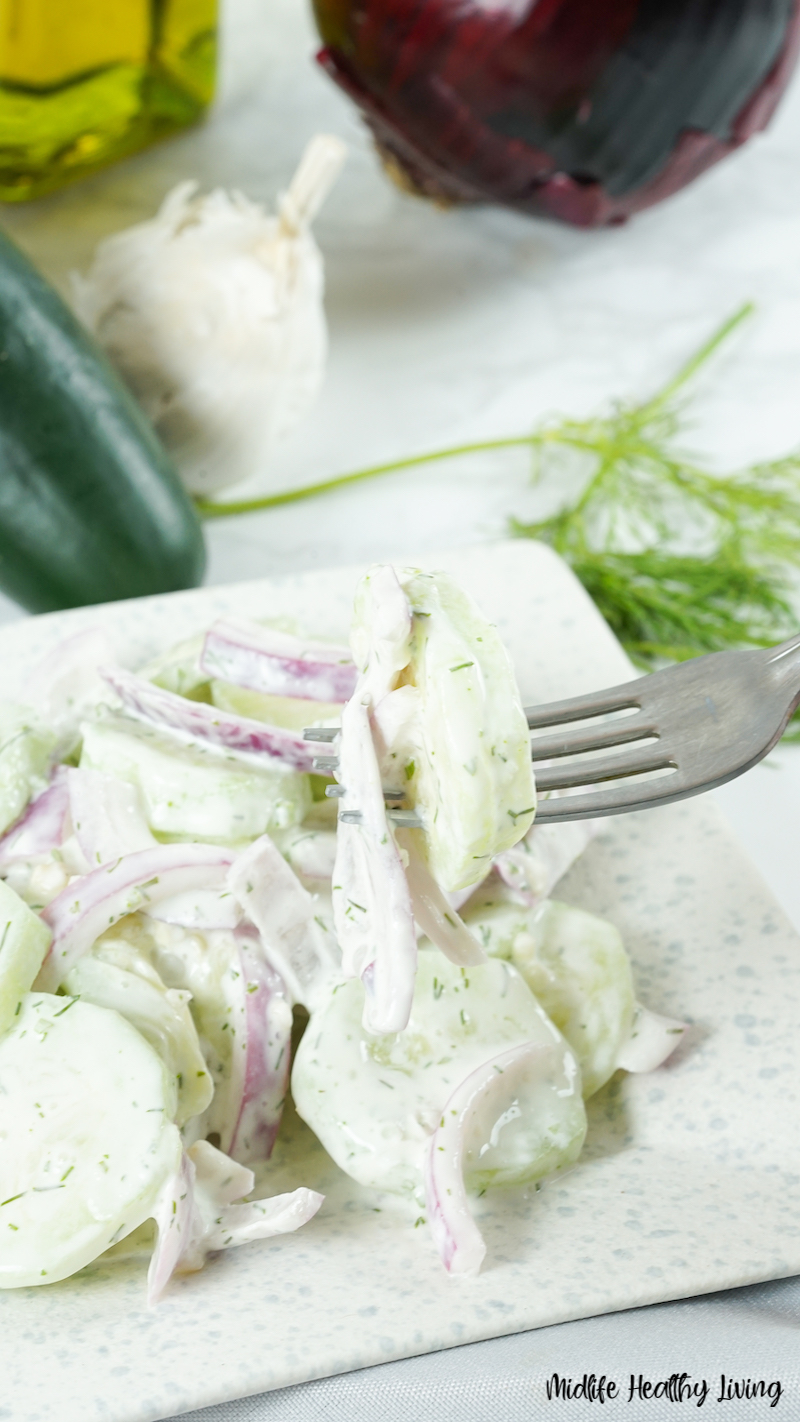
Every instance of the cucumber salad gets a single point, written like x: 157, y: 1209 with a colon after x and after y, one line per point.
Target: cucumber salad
x: 259, y: 829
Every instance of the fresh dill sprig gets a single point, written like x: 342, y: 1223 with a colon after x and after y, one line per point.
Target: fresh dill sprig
x: 680, y: 560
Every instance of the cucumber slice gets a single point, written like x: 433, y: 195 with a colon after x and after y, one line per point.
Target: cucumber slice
x: 375, y: 1101
x: 574, y: 963
x: 24, y: 941
x: 577, y: 966
x: 470, y: 775
x: 192, y: 793
x: 25, y: 751
x: 117, y: 976
x: 86, y: 1137
x: 289, y: 711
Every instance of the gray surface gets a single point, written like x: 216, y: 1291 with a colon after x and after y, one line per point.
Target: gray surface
x: 750, y: 1333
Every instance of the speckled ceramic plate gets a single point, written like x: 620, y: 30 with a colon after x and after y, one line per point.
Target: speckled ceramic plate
x: 690, y: 1180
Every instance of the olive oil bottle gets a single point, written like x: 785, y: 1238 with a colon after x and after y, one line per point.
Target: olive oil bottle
x: 83, y: 82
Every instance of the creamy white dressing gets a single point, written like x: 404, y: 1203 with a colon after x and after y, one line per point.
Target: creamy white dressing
x: 374, y: 1101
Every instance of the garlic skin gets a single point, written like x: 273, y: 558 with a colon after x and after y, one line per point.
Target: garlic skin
x: 213, y: 313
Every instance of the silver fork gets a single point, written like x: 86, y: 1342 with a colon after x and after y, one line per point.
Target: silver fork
x: 327, y: 764
x: 700, y: 724
x: 691, y: 727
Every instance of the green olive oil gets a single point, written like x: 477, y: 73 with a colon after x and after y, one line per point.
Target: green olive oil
x: 83, y: 82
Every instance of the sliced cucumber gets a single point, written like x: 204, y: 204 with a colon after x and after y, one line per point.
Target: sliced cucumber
x: 178, y: 669
x: 576, y: 965
x: 470, y: 776
x: 192, y: 793
x: 117, y: 976
x: 375, y: 1101
x: 25, y: 750
x: 289, y: 711
x: 86, y: 1137
x: 24, y: 941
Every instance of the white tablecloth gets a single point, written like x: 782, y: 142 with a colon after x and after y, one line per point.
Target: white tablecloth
x: 447, y: 326
x: 747, y: 1335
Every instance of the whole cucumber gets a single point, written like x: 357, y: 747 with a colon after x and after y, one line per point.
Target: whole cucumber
x: 91, y: 507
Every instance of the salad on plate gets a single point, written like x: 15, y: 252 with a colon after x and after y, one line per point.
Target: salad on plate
x: 261, y: 830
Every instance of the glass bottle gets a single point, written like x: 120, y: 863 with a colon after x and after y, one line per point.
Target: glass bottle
x: 83, y: 82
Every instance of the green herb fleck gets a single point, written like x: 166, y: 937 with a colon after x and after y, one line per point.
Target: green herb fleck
x: 70, y: 1004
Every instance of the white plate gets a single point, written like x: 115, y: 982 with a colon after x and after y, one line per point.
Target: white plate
x: 690, y: 1180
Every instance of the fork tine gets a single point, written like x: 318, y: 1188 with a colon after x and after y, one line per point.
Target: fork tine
x: 595, y: 737
x: 622, y: 798
x: 608, y: 767
x: 580, y: 708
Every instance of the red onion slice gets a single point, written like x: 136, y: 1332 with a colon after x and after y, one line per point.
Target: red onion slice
x: 66, y: 681
x: 196, y: 1214
x: 43, y: 825
x: 311, y: 853
x: 195, y: 723
x: 296, y: 943
x: 107, y: 817
x: 371, y: 900
x: 455, y: 1233
x: 204, y: 910
x: 267, y: 1056
x: 91, y: 904
x: 109, y: 823
x: 653, y: 1039
x: 434, y: 914
x: 277, y: 663
x: 535, y: 865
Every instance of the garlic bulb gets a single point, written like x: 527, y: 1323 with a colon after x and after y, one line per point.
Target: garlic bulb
x: 212, y: 312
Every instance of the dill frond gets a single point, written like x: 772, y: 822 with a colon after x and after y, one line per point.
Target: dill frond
x: 680, y: 560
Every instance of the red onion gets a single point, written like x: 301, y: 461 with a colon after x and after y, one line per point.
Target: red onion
x: 204, y: 910
x: 66, y: 680
x: 434, y: 913
x: 107, y: 817
x: 90, y: 905
x: 455, y: 1233
x: 584, y: 110
x: 371, y: 899
x: 196, y: 1214
x: 653, y: 1038
x: 196, y: 723
x: 534, y: 866
x: 296, y: 944
x: 43, y: 825
x: 109, y: 822
x: 276, y: 663
x: 268, y: 1034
